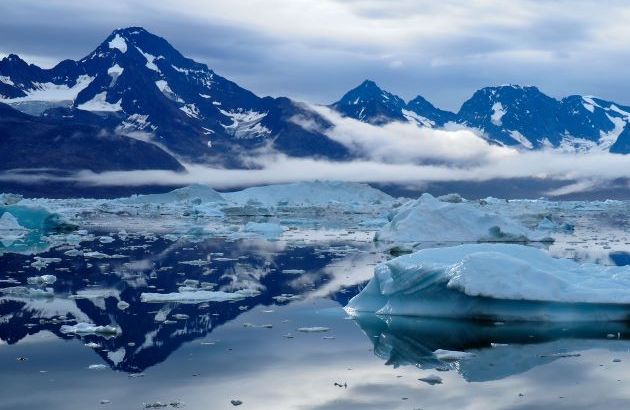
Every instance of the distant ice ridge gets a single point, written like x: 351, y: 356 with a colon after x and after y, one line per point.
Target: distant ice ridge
x: 495, y: 282
x: 310, y: 193
x: 429, y: 219
x: 194, y: 193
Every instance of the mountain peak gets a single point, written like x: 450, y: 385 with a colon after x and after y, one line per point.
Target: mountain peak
x: 14, y: 59
x: 368, y: 84
x: 130, y: 31
x: 368, y: 102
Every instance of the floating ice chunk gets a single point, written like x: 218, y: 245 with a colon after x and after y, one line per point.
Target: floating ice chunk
x: 266, y: 229
x: 314, y: 329
x: 42, y: 280
x: 101, y: 255
x: 495, y: 281
x: 431, y: 379
x: 97, y: 367
x: 428, y: 219
x: 198, y: 296
x: 90, y: 329
x: 24, y: 292
x: 122, y: 305
x: 41, y: 263
x: 452, y: 355
x: 293, y: 271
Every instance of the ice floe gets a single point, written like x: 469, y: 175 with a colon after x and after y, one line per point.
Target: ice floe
x: 197, y: 296
x: 495, y: 281
x: 90, y: 329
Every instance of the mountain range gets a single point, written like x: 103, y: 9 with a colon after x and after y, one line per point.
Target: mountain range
x: 146, y: 106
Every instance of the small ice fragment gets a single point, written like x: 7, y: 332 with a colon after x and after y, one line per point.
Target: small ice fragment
x: 42, y: 280
x: 432, y: 379
x: 122, y: 305
x: 89, y: 328
x: 314, y: 329
x: 452, y: 355
x: 293, y: 271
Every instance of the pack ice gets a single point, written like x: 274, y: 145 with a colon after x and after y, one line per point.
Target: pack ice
x: 429, y: 219
x: 495, y: 282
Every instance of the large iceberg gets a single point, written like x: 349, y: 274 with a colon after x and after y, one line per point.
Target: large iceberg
x: 495, y: 282
x: 24, y: 228
x: 310, y: 193
x: 429, y: 219
x: 193, y: 194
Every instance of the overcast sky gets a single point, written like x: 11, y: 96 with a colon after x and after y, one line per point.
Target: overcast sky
x: 316, y: 50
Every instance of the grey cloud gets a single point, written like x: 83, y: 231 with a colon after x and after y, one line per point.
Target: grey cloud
x: 443, y: 50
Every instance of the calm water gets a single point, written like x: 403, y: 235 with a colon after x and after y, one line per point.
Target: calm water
x: 261, y: 351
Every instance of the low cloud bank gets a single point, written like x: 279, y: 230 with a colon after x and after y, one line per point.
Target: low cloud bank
x: 398, y: 153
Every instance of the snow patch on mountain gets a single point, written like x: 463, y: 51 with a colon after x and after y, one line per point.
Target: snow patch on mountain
x: 517, y: 136
x: 100, y: 104
x: 52, y: 92
x: 118, y: 43
x: 6, y: 80
x: 497, y: 113
x: 150, y: 60
x: 246, y: 124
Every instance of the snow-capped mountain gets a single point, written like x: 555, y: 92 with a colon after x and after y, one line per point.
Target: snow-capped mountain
x: 524, y: 116
x: 138, y: 89
x: 369, y: 103
x: 148, y: 87
x: 509, y: 115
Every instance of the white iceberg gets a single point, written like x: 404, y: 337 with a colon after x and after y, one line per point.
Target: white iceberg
x: 310, y: 193
x: 197, y: 296
x: 428, y: 219
x: 90, y: 329
x: 195, y: 194
x: 41, y: 280
x: 495, y: 282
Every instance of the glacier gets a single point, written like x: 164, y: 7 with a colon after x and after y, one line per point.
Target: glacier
x: 495, y: 282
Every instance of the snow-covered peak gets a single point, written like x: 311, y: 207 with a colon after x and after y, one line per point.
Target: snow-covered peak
x: 368, y: 102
